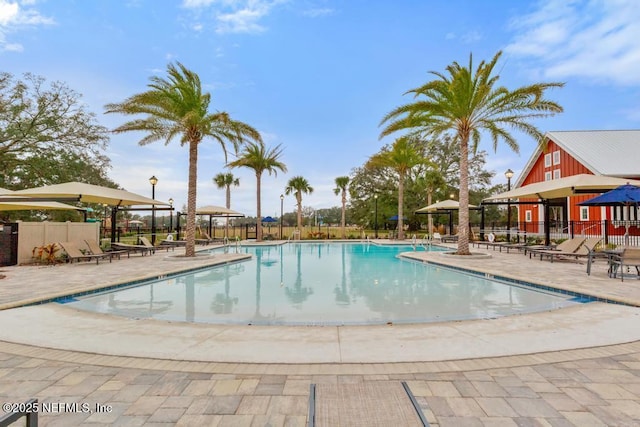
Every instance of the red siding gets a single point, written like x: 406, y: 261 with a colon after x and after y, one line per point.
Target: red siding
x: 568, y: 166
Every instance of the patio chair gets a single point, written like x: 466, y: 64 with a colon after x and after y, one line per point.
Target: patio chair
x: 132, y: 248
x: 171, y: 243
x: 147, y: 244
x: 569, y: 248
x: 449, y: 238
x: 437, y: 236
x: 95, y: 249
x: 630, y: 257
x: 488, y: 242
x: 75, y: 254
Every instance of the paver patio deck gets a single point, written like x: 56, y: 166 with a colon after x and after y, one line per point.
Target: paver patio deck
x: 590, y: 386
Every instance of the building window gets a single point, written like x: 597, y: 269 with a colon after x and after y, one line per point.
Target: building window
x: 584, y: 213
x: 556, y: 174
x: 547, y: 160
x: 556, y: 157
x: 620, y: 213
x: 527, y: 216
x: 547, y: 176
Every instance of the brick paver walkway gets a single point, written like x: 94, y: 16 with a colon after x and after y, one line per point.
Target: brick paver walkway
x: 601, y: 391
x: 590, y: 387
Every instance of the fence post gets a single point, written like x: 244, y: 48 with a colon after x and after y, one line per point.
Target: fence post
x: 605, y: 231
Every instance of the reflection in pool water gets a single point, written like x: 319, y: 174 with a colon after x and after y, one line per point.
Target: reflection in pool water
x: 322, y: 284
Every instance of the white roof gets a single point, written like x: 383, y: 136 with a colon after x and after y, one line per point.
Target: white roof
x: 565, y: 187
x: 444, y: 205
x: 603, y: 152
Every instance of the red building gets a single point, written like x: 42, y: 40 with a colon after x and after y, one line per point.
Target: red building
x: 613, y: 153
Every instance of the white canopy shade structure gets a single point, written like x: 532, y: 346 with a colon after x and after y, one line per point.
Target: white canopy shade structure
x: 445, y: 205
x: 213, y: 211
x: 560, y: 188
x: 89, y: 193
x: 17, y: 205
x: 564, y: 187
x: 218, y: 211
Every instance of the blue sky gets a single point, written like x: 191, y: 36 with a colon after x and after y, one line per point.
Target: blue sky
x: 318, y: 75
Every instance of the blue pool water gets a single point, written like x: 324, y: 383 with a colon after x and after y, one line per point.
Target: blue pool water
x: 322, y: 284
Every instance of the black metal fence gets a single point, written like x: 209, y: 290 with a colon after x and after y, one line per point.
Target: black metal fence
x: 620, y: 233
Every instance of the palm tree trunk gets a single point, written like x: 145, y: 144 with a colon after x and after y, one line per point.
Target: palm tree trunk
x: 463, y: 213
x: 226, y: 227
x: 400, y: 207
x: 259, y: 210
x: 430, y: 219
x: 299, y: 200
x: 190, y: 245
x: 344, y: 208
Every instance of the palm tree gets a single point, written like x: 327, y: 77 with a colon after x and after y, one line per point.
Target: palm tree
x: 430, y: 181
x: 468, y: 102
x: 342, y: 182
x: 226, y: 180
x: 176, y: 107
x: 298, y: 185
x: 256, y: 156
x: 402, y: 156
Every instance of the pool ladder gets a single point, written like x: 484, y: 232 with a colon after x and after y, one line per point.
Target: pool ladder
x: 425, y: 242
x: 226, y: 242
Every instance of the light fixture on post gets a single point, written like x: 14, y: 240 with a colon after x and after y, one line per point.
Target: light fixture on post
x: 508, y: 174
x: 104, y: 222
x: 170, y: 215
x: 153, y: 181
x: 376, y: 217
x: 281, y: 213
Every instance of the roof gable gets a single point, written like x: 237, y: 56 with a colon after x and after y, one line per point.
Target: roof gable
x: 603, y: 152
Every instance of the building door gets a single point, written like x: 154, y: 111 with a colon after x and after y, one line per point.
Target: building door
x: 558, y: 219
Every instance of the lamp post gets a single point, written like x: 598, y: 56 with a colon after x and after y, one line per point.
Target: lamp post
x: 153, y: 181
x: 104, y: 222
x: 375, y: 221
x: 170, y: 215
x: 509, y: 175
x: 281, y: 213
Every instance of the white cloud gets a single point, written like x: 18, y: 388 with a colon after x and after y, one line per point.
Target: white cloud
x: 14, y: 16
x: 241, y: 21
x: 318, y: 12
x: 598, y: 40
x: 467, y: 38
x: 233, y: 16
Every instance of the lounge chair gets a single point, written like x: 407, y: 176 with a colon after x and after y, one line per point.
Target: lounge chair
x: 437, y: 236
x: 569, y: 248
x: 630, y: 257
x: 147, y: 244
x: 489, y: 242
x: 449, y: 238
x: 95, y: 249
x: 75, y: 254
x: 132, y: 248
x: 206, y: 239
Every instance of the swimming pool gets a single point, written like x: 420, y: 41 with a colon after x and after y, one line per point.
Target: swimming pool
x: 322, y: 284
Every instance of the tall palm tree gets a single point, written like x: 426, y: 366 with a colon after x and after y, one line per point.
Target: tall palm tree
x: 402, y: 156
x: 466, y: 102
x: 173, y: 107
x: 257, y: 157
x: 298, y: 185
x: 226, y: 180
x: 430, y: 181
x: 342, y: 182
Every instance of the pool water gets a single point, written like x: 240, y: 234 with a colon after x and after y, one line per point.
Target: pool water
x: 322, y: 284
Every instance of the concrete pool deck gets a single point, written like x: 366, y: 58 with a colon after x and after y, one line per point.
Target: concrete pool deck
x: 533, y: 368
